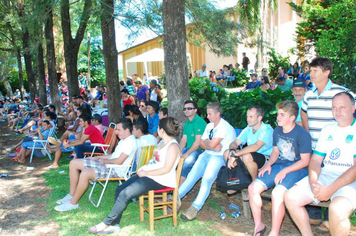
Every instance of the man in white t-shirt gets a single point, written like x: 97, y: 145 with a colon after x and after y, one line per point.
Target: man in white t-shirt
x: 336, y: 180
x: 203, y: 72
x: 95, y: 168
x: 144, y: 138
x: 216, y: 138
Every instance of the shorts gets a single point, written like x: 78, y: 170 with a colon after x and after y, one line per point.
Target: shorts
x: 260, y: 159
x: 101, y: 171
x: 291, y: 178
x: 348, y: 191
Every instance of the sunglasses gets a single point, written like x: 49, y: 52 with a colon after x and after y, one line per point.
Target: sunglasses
x: 188, y: 108
x: 211, y: 134
x: 142, y: 105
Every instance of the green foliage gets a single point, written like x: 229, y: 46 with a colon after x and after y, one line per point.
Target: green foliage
x: 235, y: 105
x: 330, y: 26
x: 241, y: 78
x: 276, y: 60
x: 203, y: 92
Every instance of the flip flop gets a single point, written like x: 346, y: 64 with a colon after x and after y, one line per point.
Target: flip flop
x: 14, y: 159
x: 261, y: 232
x: 51, y: 167
x: 20, y: 161
x: 12, y: 155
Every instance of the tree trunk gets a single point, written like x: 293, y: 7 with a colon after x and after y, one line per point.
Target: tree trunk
x: 8, y: 88
x: 51, y: 61
x: 41, y: 74
x: 175, y: 60
x: 71, y: 46
x: 110, y: 56
x: 26, y: 48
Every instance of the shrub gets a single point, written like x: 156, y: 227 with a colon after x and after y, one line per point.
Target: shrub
x: 241, y: 78
x: 275, y: 61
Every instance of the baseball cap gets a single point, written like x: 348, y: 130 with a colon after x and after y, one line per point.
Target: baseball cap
x: 204, y: 65
x: 97, y: 117
x: 253, y: 73
x: 154, y: 82
x: 299, y: 83
x: 153, y: 104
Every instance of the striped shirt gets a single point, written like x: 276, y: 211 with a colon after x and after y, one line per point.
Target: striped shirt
x: 319, y: 108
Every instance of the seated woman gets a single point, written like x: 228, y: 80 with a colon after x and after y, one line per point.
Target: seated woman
x: 265, y: 83
x: 42, y: 133
x: 158, y: 173
x: 28, y: 123
x: 295, y: 70
x: 20, y: 117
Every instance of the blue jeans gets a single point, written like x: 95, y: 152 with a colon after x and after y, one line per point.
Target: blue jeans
x: 68, y: 149
x: 189, y: 161
x: 85, y: 147
x: 206, y: 167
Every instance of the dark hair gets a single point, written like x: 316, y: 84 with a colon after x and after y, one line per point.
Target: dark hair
x: 352, y: 99
x: 192, y: 102
x: 46, y: 121
x: 135, y: 110
x: 52, y: 107
x: 143, y: 126
x: 126, y: 110
x: 51, y: 115
x: 128, y: 82
x: 169, y: 125
x: 82, y: 110
x: 323, y: 63
x: 125, y: 91
x: 164, y: 111
x: 283, y: 68
x: 126, y: 124
x: 85, y: 117
x: 144, y: 101
x: 266, y: 79
x: 259, y: 110
x: 122, y: 83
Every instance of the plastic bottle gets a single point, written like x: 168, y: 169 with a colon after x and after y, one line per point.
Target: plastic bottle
x: 234, y: 207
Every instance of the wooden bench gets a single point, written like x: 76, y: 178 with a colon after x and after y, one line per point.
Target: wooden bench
x: 267, y: 194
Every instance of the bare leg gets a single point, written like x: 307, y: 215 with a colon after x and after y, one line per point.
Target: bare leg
x: 295, y: 200
x: 57, y: 156
x: 250, y: 165
x: 278, y: 209
x: 85, y: 176
x: 340, y: 210
x: 255, y: 189
x: 75, y: 166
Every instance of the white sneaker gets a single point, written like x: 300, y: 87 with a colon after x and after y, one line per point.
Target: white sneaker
x: 67, y: 198
x: 67, y: 206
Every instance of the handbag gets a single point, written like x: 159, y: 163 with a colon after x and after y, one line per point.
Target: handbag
x: 237, y: 178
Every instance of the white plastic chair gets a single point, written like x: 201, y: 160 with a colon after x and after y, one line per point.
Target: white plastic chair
x: 43, y: 145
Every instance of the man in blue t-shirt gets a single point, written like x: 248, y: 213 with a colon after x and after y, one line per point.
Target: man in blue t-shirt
x: 258, y: 137
x: 286, y: 166
x: 253, y: 84
x: 153, y: 119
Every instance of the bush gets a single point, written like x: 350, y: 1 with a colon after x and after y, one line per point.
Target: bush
x: 275, y: 61
x: 241, y: 78
x: 235, y: 105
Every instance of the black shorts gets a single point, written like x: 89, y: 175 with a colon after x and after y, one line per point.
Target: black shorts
x: 259, y: 158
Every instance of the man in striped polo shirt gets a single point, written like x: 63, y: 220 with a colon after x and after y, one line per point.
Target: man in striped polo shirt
x: 316, y: 111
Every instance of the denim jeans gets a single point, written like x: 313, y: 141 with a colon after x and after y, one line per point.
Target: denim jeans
x: 85, y: 147
x: 189, y: 161
x: 132, y: 188
x: 206, y: 167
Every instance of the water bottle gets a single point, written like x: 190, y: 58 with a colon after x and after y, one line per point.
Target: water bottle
x: 234, y: 207
x: 222, y: 215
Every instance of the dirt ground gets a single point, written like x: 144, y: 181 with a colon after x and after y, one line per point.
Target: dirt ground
x: 23, y: 210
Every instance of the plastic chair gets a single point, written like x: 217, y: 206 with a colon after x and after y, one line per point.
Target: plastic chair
x: 161, y: 193
x: 43, y: 145
x: 146, y: 153
x: 105, y: 146
x: 229, y: 79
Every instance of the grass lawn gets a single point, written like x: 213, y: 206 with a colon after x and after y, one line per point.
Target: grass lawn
x: 77, y: 222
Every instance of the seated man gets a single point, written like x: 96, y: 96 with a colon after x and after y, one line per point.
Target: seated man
x: 253, y: 84
x: 258, y: 137
x: 192, y: 131
x: 80, y: 145
x: 284, y: 84
x: 93, y: 168
x: 217, y: 136
x: 96, y: 121
x: 336, y: 180
x: 153, y: 119
x: 286, y: 166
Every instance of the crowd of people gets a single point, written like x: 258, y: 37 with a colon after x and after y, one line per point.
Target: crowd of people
x: 309, y: 157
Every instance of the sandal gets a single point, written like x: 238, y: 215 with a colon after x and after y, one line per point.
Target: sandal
x: 12, y: 155
x: 14, y: 159
x: 20, y: 161
x: 261, y: 232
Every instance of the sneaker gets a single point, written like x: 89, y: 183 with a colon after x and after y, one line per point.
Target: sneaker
x: 110, y: 229
x: 190, y: 214
x: 67, y: 198
x: 315, y: 222
x: 54, y: 141
x: 72, y: 156
x: 67, y: 206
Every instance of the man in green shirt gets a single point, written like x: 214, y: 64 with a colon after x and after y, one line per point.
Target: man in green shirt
x: 192, y: 131
x: 284, y: 84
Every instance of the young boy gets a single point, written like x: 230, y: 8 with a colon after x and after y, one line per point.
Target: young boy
x: 286, y: 166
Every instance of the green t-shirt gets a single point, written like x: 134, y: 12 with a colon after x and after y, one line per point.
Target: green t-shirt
x: 192, y: 128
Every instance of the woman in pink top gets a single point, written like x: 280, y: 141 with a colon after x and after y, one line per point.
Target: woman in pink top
x: 158, y: 173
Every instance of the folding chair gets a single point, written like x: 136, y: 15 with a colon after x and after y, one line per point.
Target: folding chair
x: 125, y: 171
x: 43, y: 145
x: 161, y: 193
x: 105, y: 146
x: 229, y: 79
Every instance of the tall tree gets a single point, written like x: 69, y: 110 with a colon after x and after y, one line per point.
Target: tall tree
x: 51, y: 59
x: 41, y: 74
x: 175, y: 61
x: 110, y: 56
x: 72, y: 45
x: 26, y: 49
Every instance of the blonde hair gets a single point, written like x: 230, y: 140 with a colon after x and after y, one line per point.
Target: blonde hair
x: 289, y: 106
x: 215, y: 106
